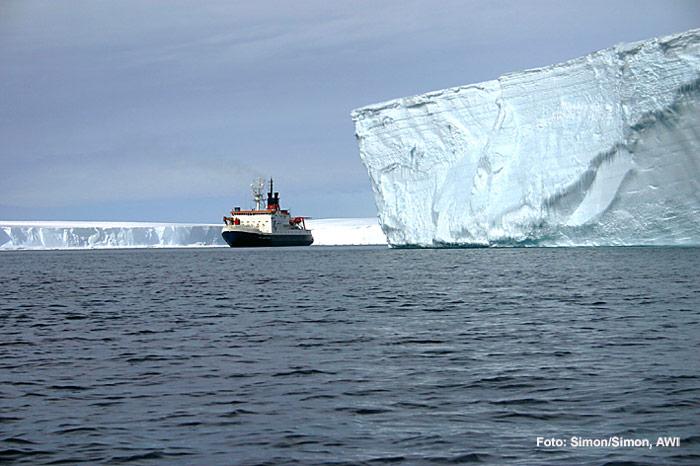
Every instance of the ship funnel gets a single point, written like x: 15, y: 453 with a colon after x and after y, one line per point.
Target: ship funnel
x: 273, y: 198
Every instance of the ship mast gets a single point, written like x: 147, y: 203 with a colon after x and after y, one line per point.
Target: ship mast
x: 257, y: 189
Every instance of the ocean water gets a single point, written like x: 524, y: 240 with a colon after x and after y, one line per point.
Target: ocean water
x: 354, y: 355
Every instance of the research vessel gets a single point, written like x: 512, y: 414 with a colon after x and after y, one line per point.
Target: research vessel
x: 265, y: 226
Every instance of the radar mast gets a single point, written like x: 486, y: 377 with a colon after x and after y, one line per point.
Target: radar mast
x: 257, y: 189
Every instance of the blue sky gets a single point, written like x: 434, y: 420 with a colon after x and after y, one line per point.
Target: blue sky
x: 165, y: 111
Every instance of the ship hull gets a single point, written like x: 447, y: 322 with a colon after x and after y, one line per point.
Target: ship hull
x: 243, y: 239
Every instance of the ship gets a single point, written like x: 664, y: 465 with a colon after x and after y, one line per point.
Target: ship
x: 265, y: 225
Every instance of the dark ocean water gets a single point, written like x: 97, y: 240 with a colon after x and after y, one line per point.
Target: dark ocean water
x: 348, y: 355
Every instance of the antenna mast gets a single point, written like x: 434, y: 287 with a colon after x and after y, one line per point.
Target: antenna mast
x: 257, y: 189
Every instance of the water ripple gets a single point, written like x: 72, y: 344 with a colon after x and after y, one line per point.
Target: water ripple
x: 347, y: 355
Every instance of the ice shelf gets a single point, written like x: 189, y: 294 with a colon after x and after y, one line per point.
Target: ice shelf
x: 99, y: 235
x: 599, y: 150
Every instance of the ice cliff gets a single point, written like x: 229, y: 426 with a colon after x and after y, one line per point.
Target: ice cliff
x: 599, y: 150
x: 82, y: 235
x: 98, y: 235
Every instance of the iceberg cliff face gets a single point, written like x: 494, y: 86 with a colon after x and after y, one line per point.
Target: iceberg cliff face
x: 600, y: 150
x: 100, y: 235
x: 97, y: 235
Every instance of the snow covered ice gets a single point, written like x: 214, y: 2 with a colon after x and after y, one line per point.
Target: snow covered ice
x: 97, y: 235
x: 82, y: 235
x: 599, y: 150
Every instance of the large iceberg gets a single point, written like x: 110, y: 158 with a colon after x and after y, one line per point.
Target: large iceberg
x: 98, y: 235
x: 599, y: 150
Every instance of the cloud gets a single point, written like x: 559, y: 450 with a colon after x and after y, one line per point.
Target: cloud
x: 136, y: 100
x: 60, y: 183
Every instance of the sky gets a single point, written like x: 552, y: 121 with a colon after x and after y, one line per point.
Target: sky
x: 165, y: 111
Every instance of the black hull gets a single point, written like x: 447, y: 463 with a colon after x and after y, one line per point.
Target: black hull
x: 241, y: 239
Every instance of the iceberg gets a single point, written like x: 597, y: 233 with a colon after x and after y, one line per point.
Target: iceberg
x: 102, y: 235
x: 99, y: 235
x: 599, y: 150
x: 346, y: 231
